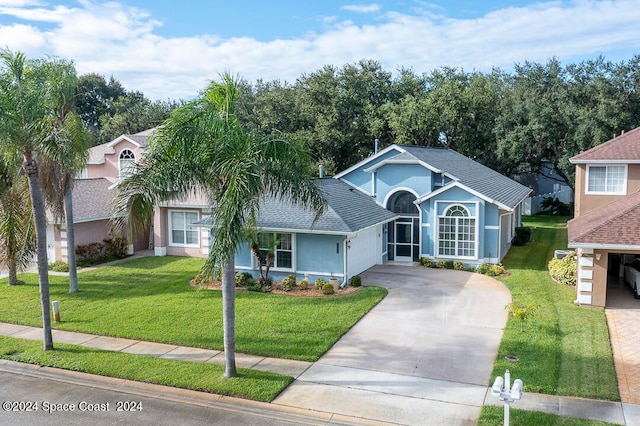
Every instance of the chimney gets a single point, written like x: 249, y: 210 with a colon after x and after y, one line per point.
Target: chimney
x: 376, y: 147
x: 320, y: 171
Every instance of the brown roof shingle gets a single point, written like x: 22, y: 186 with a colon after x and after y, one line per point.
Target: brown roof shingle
x: 625, y: 147
x: 616, y: 224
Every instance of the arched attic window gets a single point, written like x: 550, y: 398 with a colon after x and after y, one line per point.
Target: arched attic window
x: 127, y: 162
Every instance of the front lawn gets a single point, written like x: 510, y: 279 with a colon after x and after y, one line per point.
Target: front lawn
x: 151, y: 299
x: 564, y: 349
x: 251, y: 384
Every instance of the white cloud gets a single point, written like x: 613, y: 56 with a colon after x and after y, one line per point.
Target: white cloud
x: 362, y: 8
x: 114, y: 39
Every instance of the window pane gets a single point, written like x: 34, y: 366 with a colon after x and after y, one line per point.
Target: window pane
x: 283, y: 259
x: 615, y: 179
x: 597, y: 179
x: 177, y: 236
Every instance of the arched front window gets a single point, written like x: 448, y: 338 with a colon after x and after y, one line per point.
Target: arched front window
x: 457, y: 233
x: 127, y: 161
x: 402, y: 203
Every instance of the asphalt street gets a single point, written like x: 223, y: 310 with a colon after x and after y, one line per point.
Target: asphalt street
x: 36, y: 400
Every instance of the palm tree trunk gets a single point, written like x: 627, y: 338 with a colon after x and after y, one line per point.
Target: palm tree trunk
x: 39, y: 218
x: 71, y: 239
x: 13, y: 273
x: 229, y: 316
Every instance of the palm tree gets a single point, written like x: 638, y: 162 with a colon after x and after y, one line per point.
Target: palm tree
x: 25, y: 103
x: 202, y: 146
x: 17, y: 234
x: 66, y: 152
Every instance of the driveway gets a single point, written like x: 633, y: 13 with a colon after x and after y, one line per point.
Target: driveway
x: 423, y: 355
x: 623, y: 319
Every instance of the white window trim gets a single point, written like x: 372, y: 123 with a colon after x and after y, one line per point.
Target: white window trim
x: 624, y: 185
x: 170, y: 227
x: 254, y: 261
x: 437, y: 233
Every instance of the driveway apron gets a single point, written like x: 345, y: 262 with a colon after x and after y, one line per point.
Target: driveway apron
x: 424, y: 355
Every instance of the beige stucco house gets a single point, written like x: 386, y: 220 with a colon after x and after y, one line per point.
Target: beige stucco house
x: 606, y: 227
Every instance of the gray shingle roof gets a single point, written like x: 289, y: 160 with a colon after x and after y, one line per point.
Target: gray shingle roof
x: 348, y: 211
x: 91, y: 199
x: 471, y: 174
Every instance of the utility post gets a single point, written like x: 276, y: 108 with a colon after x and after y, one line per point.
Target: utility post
x: 502, y: 389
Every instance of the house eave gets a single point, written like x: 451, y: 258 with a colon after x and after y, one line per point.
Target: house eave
x: 605, y: 246
x: 603, y: 161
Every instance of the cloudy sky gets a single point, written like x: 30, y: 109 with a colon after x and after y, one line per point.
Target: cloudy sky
x: 172, y: 49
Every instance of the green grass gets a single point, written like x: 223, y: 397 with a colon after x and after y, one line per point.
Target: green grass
x: 251, y: 384
x: 492, y: 415
x: 151, y: 299
x: 564, y: 349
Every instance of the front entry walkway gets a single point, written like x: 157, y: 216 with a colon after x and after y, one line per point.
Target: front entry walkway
x: 424, y: 355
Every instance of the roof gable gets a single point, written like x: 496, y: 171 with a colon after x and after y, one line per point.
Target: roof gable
x: 624, y: 148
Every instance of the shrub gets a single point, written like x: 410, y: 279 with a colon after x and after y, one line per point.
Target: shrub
x: 483, y: 269
x: 304, y: 285
x: 459, y: 266
x: 265, y: 284
x: 328, y: 289
x: 448, y: 264
x: 242, y: 279
x: 253, y: 285
x: 319, y: 283
x: 565, y: 270
x: 287, y: 283
x: 521, y: 236
x: 59, y: 266
x: 427, y: 262
x: 356, y: 281
x: 442, y: 264
x: 555, y: 207
x: 115, y: 248
x: 497, y: 270
x: 90, y: 254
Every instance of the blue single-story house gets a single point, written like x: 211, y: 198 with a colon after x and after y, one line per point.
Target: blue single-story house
x: 400, y: 204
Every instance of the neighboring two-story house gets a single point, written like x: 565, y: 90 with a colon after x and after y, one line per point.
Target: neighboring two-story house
x: 606, y: 226
x: 93, y: 193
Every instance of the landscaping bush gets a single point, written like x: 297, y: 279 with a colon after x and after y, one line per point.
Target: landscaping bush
x: 319, y: 283
x: 483, y: 269
x: 304, y: 285
x: 441, y: 264
x: 115, y: 248
x: 427, y: 262
x: 328, y: 289
x: 555, y: 207
x: 459, y: 266
x: 59, y: 266
x: 90, y: 253
x: 356, y: 281
x: 448, y: 264
x: 243, y: 278
x: 287, y: 283
x: 521, y: 236
x: 565, y: 270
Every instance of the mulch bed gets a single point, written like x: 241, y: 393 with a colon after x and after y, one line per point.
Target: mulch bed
x: 276, y: 288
